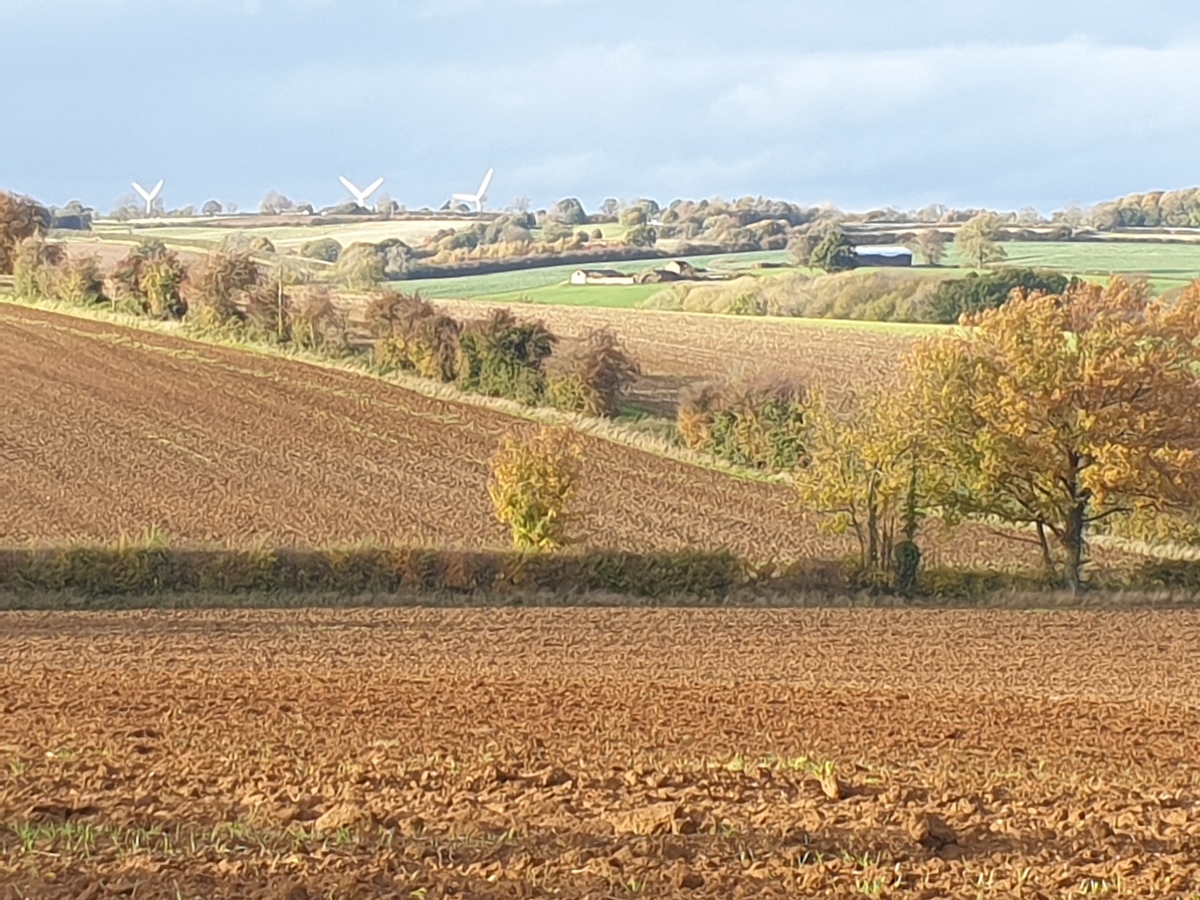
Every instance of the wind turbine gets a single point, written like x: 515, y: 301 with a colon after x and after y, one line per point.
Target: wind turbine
x: 149, y: 196
x: 360, y: 196
x: 479, y: 196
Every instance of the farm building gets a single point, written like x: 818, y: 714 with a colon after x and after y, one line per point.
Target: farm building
x: 680, y: 267
x: 884, y: 256
x: 600, y: 276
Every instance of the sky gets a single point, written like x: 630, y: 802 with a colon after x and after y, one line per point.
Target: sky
x: 1000, y: 104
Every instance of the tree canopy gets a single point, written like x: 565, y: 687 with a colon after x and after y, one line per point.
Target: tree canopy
x: 20, y: 218
x: 1058, y: 411
x: 976, y: 240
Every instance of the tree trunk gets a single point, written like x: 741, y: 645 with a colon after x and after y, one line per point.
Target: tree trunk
x: 1072, y: 536
x: 1047, y: 559
x: 1073, y: 542
x: 872, y: 531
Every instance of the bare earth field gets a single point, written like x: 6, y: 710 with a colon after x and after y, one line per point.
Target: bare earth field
x: 695, y: 344
x: 677, y: 348
x: 600, y: 753
x: 111, y: 431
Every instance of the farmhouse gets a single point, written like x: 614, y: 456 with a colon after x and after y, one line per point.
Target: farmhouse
x: 884, y: 256
x: 600, y: 276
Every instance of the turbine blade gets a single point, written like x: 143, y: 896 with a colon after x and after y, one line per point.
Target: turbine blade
x: 349, y: 185
x: 141, y: 190
x: 154, y: 191
x: 487, y: 179
x: 373, y: 188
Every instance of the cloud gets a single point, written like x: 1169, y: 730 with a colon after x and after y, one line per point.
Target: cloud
x: 612, y: 99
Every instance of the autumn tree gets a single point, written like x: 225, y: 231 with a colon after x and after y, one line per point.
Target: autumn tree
x: 860, y: 474
x: 20, y: 218
x: 1058, y: 411
x: 931, y: 244
x: 976, y: 240
x: 532, y: 484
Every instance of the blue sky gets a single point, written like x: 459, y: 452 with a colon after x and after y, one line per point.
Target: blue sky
x: 997, y: 103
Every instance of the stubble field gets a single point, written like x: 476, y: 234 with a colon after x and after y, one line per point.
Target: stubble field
x: 600, y: 753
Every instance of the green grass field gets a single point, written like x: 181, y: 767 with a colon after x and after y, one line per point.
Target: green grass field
x: 548, y: 285
x: 1166, y: 265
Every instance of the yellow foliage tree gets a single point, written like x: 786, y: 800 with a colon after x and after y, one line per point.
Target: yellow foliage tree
x: 532, y: 484
x: 1060, y: 411
x: 859, y: 472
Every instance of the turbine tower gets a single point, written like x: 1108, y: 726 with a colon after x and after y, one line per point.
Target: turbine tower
x: 149, y: 195
x: 479, y: 196
x: 360, y: 197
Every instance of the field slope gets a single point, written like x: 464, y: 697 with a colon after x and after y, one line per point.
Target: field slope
x: 110, y: 431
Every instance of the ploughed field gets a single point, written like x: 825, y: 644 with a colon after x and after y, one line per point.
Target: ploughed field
x: 110, y: 431
x: 836, y: 356
x: 600, y: 753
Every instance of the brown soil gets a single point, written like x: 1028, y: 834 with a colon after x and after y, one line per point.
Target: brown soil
x: 677, y: 348
x: 110, y: 431
x: 600, y: 753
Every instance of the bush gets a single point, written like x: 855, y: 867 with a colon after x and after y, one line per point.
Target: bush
x: 220, y: 287
x: 78, y: 281
x: 593, y: 379
x: 314, y: 323
x: 758, y: 423
x: 532, y: 484
x: 413, y: 336
x: 151, y: 278
x: 360, y: 267
x: 503, y: 357
x: 326, y: 249
x: 32, y: 261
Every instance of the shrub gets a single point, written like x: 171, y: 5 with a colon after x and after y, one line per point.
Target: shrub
x: 78, y: 281
x: 360, y: 267
x: 757, y: 423
x: 221, y: 286
x: 32, y: 262
x: 503, y: 357
x: 532, y: 484
x: 151, y: 277
x: 593, y: 379
x: 326, y: 249
x: 412, y: 335
x: 315, y: 323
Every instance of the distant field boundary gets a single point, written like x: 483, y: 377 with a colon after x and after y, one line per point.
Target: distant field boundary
x: 154, y: 575
x: 471, y: 267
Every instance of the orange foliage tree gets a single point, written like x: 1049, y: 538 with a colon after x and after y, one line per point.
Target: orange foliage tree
x: 1058, y: 411
x: 20, y: 218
